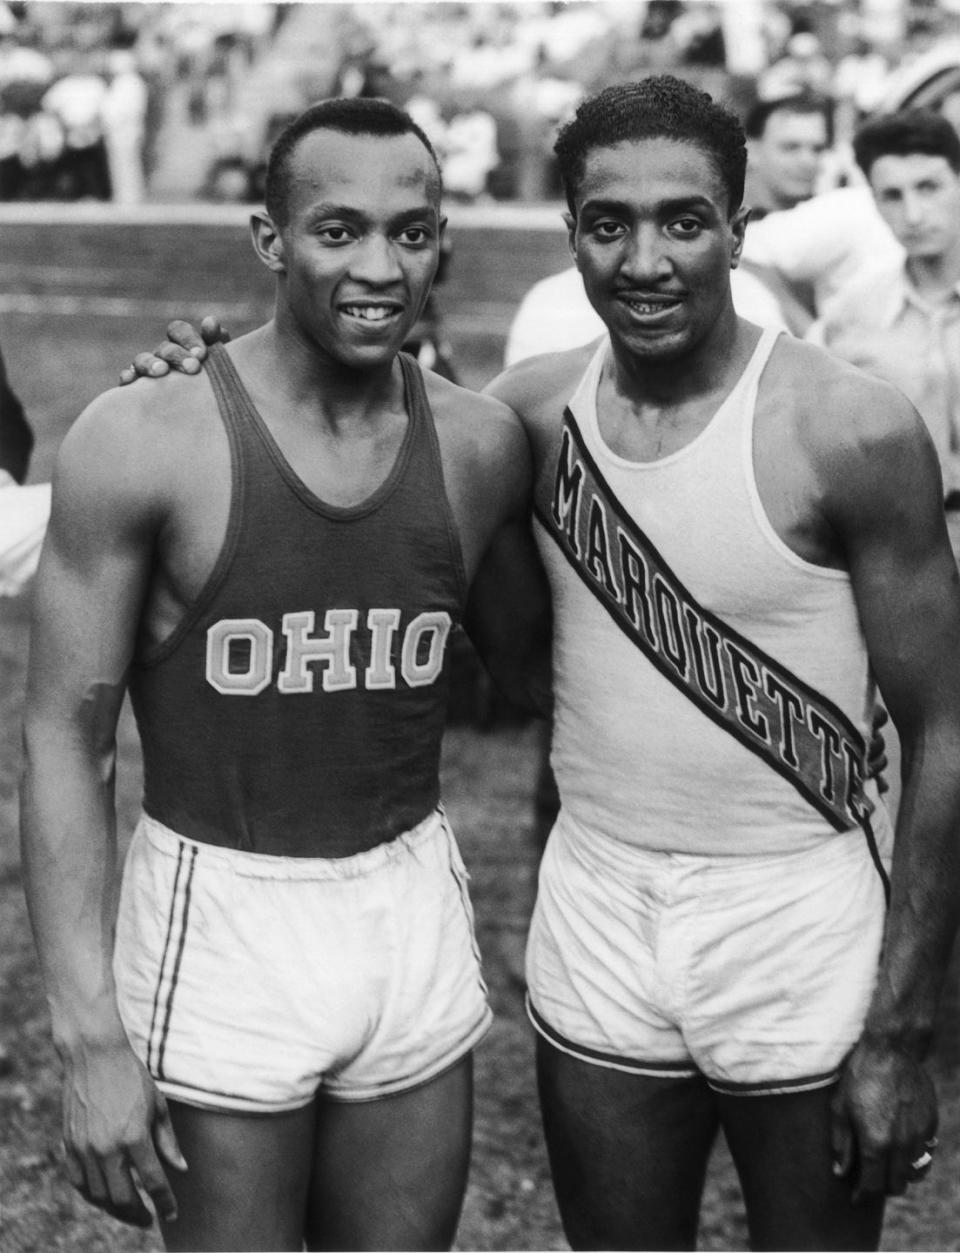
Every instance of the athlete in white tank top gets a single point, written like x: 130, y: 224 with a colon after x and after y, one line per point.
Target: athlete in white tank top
x: 666, y: 774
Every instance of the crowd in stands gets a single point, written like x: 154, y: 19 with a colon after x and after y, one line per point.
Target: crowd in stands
x: 86, y: 89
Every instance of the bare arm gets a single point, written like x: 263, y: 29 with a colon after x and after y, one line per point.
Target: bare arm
x: 89, y: 593
x: 508, y: 608
x: 884, y: 502
x: 509, y: 620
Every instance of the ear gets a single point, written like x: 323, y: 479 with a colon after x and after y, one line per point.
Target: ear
x: 267, y: 242
x: 738, y: 225
x: 571, y: 224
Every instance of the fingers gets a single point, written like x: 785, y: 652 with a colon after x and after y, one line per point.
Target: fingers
x: 154, y: 1182
x: 841, y: 1142
x: 149, y: 365
x: 212, y: 331
x: 115, y: 1181
x: 184, y: 335
x: 145, y: 365
x: 165, y: 1138
x: 179, y: 358
x: 123, y: 1196
x: 108, y: 1183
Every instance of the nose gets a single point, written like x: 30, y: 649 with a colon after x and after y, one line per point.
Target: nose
x: 912, y: 208
x: 375, y: 261
x: 809, y: 159
x: 646, y: 258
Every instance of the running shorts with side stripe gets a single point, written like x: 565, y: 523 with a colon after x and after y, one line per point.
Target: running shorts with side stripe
x: 755, y: 972
x: 255, y: 983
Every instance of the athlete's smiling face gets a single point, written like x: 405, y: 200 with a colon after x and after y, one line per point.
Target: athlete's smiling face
x: 359, y: 246
x: 655, y: 241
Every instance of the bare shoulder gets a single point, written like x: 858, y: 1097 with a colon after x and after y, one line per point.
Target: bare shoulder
x: 534, y: 384
x: 131, y: 443
x: 538, y: 388
x: 860, y: 448
x: 473, y: 425
x: 836, y: 408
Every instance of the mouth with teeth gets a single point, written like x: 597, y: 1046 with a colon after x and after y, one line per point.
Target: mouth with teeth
x: 371, y: 313
x: 651, y: 307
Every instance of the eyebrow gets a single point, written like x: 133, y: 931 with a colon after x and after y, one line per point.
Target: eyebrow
x: 328, y: 209
x: 676, y: 204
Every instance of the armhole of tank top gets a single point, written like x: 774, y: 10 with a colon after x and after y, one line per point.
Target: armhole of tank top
x: 582, y: 404
x: 418, y: 406
x: 219, y: 379
x: 761, y: 360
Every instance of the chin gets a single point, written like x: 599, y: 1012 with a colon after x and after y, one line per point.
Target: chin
x: 668, y: 347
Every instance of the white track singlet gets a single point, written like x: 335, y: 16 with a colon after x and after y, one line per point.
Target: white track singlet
x: 669, y: 548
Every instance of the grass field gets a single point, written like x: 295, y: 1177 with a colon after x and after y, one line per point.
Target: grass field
x: 74, y: 306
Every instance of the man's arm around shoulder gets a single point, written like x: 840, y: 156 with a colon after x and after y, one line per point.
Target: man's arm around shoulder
x: 508, y: 609
x: 93, y: 576
x: 883, y: 497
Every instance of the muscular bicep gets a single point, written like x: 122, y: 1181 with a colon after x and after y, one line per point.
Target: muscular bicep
x: 91, y: 583
x: 891, y: 523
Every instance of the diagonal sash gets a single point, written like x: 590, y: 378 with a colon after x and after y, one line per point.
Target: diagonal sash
x: 796, y: 730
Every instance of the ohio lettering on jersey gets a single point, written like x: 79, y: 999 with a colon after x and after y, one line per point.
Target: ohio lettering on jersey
x: 796, y: 730
x: 240, y: 652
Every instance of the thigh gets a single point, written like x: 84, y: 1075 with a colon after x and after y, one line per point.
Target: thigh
x: 247, y: 1179
x: 391, y: 1173
x: 628, y: 1153
x: 781, y: 1147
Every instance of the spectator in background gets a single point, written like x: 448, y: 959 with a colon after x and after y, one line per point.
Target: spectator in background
x: 25, y: 75
x: 802, y: 68
x: 818, y: 247
x: 23, y: 510
x: 900, y: 319
x: 469, y: 154
x: 786, y: 140
x: 124, y: 111
x: 77, y: 101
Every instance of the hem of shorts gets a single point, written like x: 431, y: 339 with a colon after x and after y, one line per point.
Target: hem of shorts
x: 411, y: 1083
x: 611, y: 1061
x: 228, y: 1103
x: 776, y: 1087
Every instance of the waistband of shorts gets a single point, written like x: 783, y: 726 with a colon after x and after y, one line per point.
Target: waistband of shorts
x: 595, y: 849
x: 243, y: 863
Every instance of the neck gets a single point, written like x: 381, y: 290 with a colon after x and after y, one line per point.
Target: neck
x: 934, y: 275
x: 297, y: 371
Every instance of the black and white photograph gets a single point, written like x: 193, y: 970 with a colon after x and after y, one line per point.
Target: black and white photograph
x: 479, y: 625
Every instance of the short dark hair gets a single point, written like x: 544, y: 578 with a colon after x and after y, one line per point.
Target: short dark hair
x: 903, y: 134
x: 350, y: 115
x: 660, y: 107
x: 802, y: 102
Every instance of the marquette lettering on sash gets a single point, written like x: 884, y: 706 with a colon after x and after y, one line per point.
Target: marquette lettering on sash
x: 799, y: 732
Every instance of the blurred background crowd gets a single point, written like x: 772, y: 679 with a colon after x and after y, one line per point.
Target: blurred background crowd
x: 172, y: 102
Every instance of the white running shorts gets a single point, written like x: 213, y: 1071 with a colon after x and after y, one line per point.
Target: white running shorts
x: 755, y: 972
x: 254, y: 983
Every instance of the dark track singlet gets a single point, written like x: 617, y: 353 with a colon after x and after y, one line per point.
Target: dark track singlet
x: 298, y: 708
